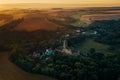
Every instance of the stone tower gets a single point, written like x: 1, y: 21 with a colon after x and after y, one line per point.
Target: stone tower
x: 65, y: 48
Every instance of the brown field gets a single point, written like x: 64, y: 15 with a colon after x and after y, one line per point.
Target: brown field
x: 9, y: 71
x: 36, y: 21
x: 33, y: 19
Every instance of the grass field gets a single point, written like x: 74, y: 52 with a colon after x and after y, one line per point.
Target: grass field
x: 85, y: 47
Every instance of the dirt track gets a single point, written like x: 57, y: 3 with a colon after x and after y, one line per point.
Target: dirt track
x: 9, y: 71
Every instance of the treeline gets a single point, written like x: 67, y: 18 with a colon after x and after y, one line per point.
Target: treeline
x: 22, y: 40
x: 76, y: 40
x: 66, y: 22
x: 108, y: 30
x: 94, y: 66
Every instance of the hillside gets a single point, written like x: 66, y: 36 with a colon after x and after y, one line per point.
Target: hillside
x: 36, y: 21
x: 31, y: 20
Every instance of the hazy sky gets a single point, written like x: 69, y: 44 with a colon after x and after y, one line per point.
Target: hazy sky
x: 64, y: 1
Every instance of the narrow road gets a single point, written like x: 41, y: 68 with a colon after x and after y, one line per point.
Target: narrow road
x: 9, y: 71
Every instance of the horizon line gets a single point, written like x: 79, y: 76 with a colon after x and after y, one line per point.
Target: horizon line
x: 72, y: 5
x: 63, y: 3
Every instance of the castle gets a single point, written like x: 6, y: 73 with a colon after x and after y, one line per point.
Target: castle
x: 65, y: 48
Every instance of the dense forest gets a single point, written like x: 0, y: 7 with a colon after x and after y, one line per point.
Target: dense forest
x: 108, y: 33
x: 93, y: 66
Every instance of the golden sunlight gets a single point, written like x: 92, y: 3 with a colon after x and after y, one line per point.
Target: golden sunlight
x: 82, y: 2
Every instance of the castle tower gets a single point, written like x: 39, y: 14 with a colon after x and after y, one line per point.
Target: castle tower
x: 64, y: 44
x: 65, y: 49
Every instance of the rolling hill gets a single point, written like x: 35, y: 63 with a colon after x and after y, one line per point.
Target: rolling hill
x: 35, y: 21
x: 31, y: 21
